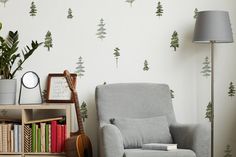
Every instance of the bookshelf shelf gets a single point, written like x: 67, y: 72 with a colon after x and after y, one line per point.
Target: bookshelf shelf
x: 29, y: 113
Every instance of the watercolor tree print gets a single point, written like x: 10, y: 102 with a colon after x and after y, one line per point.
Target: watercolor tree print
x: 195, y: 13
x: 69, y: 16
x: 80, y: 68
x: 101, y: 32
x: 4, y: 2
x: 116, y: 54
x: 206, y: 69
x: 160, y: 10
x: 209, y: 112
x: 130, y: 2
x: 172, y: 94
x: 228, y: 151
x: 33, y: 9
x: 48, y: 40
x: 84, y: 111
x: 174, y: 40
x: 231, y: 92
x: 146, y: 67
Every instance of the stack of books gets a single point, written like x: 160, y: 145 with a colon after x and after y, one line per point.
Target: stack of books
x: 47, y: 135
x: 10, y: 137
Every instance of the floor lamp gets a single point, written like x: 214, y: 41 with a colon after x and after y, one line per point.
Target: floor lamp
x: 212, y: 27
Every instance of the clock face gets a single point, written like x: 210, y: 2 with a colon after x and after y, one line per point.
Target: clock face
x: 30, y: 80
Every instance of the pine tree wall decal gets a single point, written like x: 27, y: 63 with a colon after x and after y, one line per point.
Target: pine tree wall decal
x: 80, y: 68
x: 172, y: 94
x: 130, y: 1
x: 69, y: 16
x: 84, y: 111
x: 101, y: 30
x: 33, y: 9
x: 206, y: 69
x: 146, y: 67
x: 4, y: 2
x: 195, y: 13
x: 48, y: 40
x: 174, y: 40
x: 160, y: 10
x: 231, y: 92
x: 116, y: 54
x: 209, y: 112
x: 228, y: 151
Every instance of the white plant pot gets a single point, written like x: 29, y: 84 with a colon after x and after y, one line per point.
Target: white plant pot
x: 7, y: 91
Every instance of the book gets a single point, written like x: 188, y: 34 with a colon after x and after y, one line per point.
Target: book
x: 27, y: 139
x: 42, y: 128
x: 12, y: 141
x: 19, y: 138
x: 4, y: 137
x: 0, y: 137
x: 159, y: 146
x: 34, y: 133
x: 54, y: 136
x: 47, y: 138
x: 63, y: 130
x: 59, y: 138
x: 39, y: 140
x: 16, y: 132
x: 9, y: 137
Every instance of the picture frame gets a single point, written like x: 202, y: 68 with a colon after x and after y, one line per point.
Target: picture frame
x: 58, y: 90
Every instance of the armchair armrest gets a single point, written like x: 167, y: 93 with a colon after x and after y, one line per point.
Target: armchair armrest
x: 195, y: 137
x: 112, y: 141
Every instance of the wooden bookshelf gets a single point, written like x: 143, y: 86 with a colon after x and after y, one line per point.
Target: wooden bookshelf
x: 27, y: 113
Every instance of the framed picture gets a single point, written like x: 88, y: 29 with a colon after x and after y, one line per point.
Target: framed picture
x: 58, y: 90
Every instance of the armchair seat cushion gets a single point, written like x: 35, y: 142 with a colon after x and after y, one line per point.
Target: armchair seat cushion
x: 156, y: 153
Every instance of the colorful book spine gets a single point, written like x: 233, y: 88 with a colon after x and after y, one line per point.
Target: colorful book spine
x: 47, y: 138
x: 19, y: 138
x: 27, y: 138
x: 0, y: 137
x: 16, y: 128
x: 39, y: 140
x: 42, y: 128
x: 59, y: 138
x: 34, y: 133
x: 63, y: 130
x: 9, y: 137
x: 12, y: 141
x: 53, y: 136
x: 4, y: 137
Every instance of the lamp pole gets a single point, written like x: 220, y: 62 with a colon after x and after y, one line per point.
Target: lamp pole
x: 212, y: 98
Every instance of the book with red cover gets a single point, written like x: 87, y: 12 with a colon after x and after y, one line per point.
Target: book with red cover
x: 63, y: 136
x: 53, y: 136
x: 59, y: 138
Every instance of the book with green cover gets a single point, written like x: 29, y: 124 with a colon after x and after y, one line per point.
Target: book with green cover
x: 47, y: 138
x: 39, y: 140
x: 34, y: 133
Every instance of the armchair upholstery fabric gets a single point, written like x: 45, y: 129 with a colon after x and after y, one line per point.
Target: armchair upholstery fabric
x: 144, y: 100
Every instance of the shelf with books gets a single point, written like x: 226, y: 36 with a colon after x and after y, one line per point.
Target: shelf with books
x: 39, y: 130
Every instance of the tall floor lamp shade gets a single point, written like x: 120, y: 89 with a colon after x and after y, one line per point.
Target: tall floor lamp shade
x: 212, y: 27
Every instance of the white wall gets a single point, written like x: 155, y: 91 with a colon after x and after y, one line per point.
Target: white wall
x: 140, y: 35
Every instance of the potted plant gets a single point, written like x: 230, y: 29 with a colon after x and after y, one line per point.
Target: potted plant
x: 10, y: 62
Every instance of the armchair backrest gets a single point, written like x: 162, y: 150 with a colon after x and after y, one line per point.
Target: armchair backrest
x: 134, y: 100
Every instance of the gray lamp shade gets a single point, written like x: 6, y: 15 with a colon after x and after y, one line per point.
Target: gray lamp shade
x: 213, y: 26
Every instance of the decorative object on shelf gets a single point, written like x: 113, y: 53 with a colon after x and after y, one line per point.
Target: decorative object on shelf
x: 130, y: 2
x: 69, y: 16
x: 232, y: 90
x: 117, y: 55
x: 80, y: 68
x: 172, y: 94
x: 146, y: 67
x: 174, y: 40
x: 58, y: 90
x: 30, y: 80
x: 212, y: 27
x: 72, y: 148
x: 4, y: 2
x: 228, y: 151
x: 195, y: 13
x: 206, y: 69
x: 48, y: 40
x: 33, y: 9
x: 160, y: 10
x: 209, y: 112
x: 11, y: 62
x: 101, y: 32
x: 84, y: 111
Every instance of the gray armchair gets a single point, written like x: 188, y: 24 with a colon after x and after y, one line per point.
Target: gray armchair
x: 144, y: 100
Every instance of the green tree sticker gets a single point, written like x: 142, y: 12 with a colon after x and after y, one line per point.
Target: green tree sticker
x: 172, y: 94
x: 160, y: 10
x: 80, y: 68
x: 84, y: 111
x: 146, y: 67
x: 206, y: 69
x: 209, y: 112
x: 101, y: 32
x: 228, y: 151
x: 48, y: 40
x: 33, y: 9
x: 174, y: 41
x: 195, y: 13
x: 69, y: 16
x: 4, y: 2
x: 116, y: 54
x: 231, y: 92
x: 130, y: 2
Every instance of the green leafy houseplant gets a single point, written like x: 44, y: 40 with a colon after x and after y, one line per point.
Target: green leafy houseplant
x: 10, y: 60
